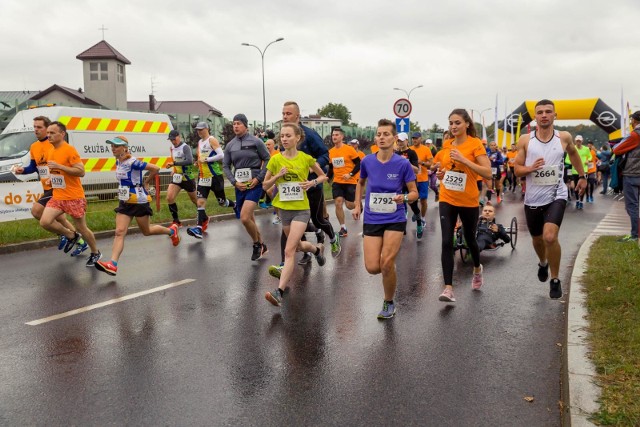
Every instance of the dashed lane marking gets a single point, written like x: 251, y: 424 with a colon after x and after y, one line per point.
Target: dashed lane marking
x: 109, y: 302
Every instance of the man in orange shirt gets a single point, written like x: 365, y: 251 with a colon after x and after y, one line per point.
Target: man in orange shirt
x: 592, y: 168
x: 65, y: 169
x: 425, y: 158
x: 344, y: 164
x: 39, y: 156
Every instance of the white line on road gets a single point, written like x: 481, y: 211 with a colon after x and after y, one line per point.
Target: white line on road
x: 109, y: 302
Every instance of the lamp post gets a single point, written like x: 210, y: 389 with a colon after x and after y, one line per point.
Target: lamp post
x: 262, y: 52
x: 408, y: 93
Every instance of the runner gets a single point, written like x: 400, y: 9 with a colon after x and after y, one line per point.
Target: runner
x: 511, y: 163
x: 344, y: 165
x: 134, y: 201
x: 460, y: 164
x: 183, y: 174
x: 356, y: 146
x: 433, y: 181
x: 66, y: 168
x: 592, y: 169
x: 249, y: 157
x: 39, y: 151
x: 585, y: 155
x: 384, y: 222
x: 425, y: 158
x: 541, y: 159
x: 210, y: 177
x: 290, y: 172
x: 403, y: 150
x: 494, y: 184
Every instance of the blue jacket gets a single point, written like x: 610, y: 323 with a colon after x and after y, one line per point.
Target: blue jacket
x: 314, y: 146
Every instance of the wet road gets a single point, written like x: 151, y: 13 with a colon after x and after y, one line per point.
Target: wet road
x: 212, y: 351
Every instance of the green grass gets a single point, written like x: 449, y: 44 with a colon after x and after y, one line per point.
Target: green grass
x: 612, y: 283
x: 100, y: 216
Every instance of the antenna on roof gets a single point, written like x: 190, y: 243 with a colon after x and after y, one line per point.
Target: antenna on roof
x: 103, y: 29
x: 153, y: 85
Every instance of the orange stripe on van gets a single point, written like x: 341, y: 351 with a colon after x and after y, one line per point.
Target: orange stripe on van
x: 73, y: 123
x: 113, y: 124
x: 147, y: 126
x: 130, y: 125
x: 163, y: 128
x: 93, y: 124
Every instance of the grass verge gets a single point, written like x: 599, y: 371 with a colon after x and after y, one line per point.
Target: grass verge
x: 612, y: 283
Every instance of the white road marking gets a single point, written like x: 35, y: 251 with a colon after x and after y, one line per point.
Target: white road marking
x: 109, y: 302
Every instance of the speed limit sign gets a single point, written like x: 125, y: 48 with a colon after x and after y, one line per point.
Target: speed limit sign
x: 402, y: 108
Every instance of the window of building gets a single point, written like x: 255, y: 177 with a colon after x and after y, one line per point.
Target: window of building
x: 98, y: 71
x: 120, y: 73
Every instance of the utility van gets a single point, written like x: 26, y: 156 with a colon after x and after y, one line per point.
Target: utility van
x: 87, y: 131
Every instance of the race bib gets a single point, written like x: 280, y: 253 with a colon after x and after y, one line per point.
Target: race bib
x: 455, y: 181
x: 243, y: 175
x: 123, y: 193
x: 590, y: 165
x: 290, y: 192
x: 547, y: 175
x: 141, y: 195
x: 494, y: 171
x: 382, y: 203
x: 176, y: 178
x: 43, y: 171
x: 204, y: 182
x: 338, y: 162
x: 57, y: 181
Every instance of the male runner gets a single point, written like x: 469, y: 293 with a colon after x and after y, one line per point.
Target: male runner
x: 541, y: 160
x: 425, y: 158
x: 343, y: 167
x: 183, y: 174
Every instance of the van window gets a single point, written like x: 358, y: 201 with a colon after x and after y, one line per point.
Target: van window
x: 15, y: 145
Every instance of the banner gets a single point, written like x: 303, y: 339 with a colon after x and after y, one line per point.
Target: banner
x: 16, y: 199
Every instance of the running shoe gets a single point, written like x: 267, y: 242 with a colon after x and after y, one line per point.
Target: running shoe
x: 415, y: 217
x: 336, y: 247
x: 259, y: 249
x: 543, y: 272
x: 555, y: 289
x: 320, y: 236
x: 81, y: 246
x: 274, y: 297
x: 388, y: 310
x: 71, y: 242
x: 447, y: 295
x: 276, y: 270
x: 276, y: 220
x: 195, y: 232
x: 627, y: 238
x: 93, y: 258
x: 107, y: 267
x: 175, y: 237
x: 205, y: 225
x: 343, y: 232
x: 320, y: 255
x: 306, y: 259
x: 263, y: 205
x: 476, y: 281
x: 419, y: 230
x: 176, y: 222
x: 62, y: 242
x: 499, y: 200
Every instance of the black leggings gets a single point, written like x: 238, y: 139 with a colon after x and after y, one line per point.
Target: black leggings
x: 448, y: 217
x: 316, y: 206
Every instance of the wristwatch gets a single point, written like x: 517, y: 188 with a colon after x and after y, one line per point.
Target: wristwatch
x: 582, y: 177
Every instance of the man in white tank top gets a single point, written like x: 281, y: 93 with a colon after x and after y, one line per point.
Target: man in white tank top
x: 540, y: 159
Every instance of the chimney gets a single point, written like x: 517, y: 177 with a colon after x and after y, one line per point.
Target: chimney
x: 152, y: 103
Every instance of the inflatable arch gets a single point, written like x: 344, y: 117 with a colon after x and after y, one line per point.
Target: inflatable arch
x: 593, y: 109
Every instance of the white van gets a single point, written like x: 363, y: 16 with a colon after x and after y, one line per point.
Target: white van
x: 87, y: 131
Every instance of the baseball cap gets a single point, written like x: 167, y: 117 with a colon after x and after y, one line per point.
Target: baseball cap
x: 202, y: 125
x: 416, y: 135
x: 428, y: 141
x: 579, y: 137
x: 118, y: 140
x: 173, y: 134
x: 402, y: 136
x: 354, y: 141
x: 636, y: 116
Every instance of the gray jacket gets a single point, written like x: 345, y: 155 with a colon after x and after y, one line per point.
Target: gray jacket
x: 243, y: 152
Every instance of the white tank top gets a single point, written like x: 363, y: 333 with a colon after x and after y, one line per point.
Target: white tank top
x: 543, y: 187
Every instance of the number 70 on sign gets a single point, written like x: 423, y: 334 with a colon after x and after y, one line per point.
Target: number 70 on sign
x: 402, y: 108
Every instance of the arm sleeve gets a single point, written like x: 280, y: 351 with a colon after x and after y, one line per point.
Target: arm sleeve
x: 330, y: 172
x: 263, y: 152
x: 188, y: 157
x: 356, y: 166
x: 627, y: 145
x: 219, y: 155
x: 31, y: 168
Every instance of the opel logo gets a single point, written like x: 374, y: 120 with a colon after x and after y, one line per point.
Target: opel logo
x: 606, y: 118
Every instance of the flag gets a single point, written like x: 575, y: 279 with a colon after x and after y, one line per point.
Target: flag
x: 623, y: 120
x: 495, y: 121
x: 519, y: 124
x: 484, y: 130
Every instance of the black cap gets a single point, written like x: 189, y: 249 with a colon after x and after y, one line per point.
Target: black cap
x: 241, y: 118
x: 636, y: 116
x: 173, y: 134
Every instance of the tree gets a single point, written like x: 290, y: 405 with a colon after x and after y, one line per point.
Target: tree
x: 336, y: 111
x: 414, y: 127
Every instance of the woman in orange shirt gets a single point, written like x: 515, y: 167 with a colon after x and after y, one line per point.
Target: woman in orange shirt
x: 459, y: 163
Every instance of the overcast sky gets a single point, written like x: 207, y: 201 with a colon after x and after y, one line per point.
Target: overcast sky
x: 464, y: 52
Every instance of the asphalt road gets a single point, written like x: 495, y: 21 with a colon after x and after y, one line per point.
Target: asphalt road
x: 213, y: 351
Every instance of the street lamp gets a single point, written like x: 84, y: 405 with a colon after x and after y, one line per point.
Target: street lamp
x: 408, y: 93
x: 480, y: 113
x: 262, y: 52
